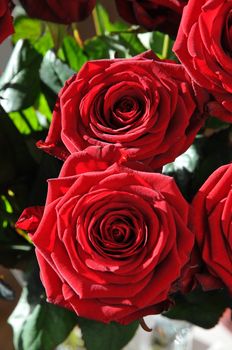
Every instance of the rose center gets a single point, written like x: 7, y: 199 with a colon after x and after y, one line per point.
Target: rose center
x: 116, y: 232
x: 118, y: 235
x: 125, y: 111
x: 120, y: 231
x: 226, y: 39
x: 126, y: 105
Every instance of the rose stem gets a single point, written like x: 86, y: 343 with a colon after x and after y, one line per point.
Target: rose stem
x: 99, y: 28
x: 77, y: 36
x: 165, y: 46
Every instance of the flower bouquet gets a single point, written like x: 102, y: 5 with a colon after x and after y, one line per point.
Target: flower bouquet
x: 116, y: 173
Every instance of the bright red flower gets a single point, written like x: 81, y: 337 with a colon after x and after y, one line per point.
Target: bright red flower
x: 6, y: 21
x: 57, y: 11
x: 163, y: 15
x: 212, y: 224
x: 112, y: 241
x: 143, y: 105
x: 204, y: 47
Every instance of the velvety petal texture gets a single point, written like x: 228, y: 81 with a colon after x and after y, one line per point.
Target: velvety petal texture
x: 57, y: 11
x: 144, y: 106
x: 212, y: 224
x: 203, y: 46
x: 6, y: 20
x: 163, y: 15
x: 30, y: 218
x: 112, y: 241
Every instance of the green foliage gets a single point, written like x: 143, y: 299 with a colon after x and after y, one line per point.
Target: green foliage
x: 38, y: 325
x: 117, y: 40
x: 106, y: 25
x: 53, y: 72
x: 26, y: 121
x: 15, y: 159
x: 34, y: 118
x: 101, y: 336
x: 200, y: 308
x: 19, y: 84
x: 38, y: 330
x: 73, y: 54
x: 214, y: 151
x: 27, y: 28
x: 162, y: 45
x: 215, y: 124
x: 132, y: 43
x: 97, y: 48
x: 42, y: 108
x: 34, y: 326
x: 182, y: 170
x: 34, y: 31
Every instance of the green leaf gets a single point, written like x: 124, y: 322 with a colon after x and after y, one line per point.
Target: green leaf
x: 27, y: 28
x: 117, y: 40
x: 43, y: 108
x: 33, y: 30
x: 73, y: 54
x: 54, y: 72
x: 33, y: 119
x: 38, y: 325
x: 201, y: 308
x: 188, y: 160
x: 13, y: 249
x: 183, y: 169
x: 18, y: 318
x: 49, y: 168
x: 15, y: 158
x: 114, y: 46
x: 26, y: 121
x: 132, y: 43
x: 96, y: 48
x: 216, y: 124
x: 157, y: 42
x: 46, y: 327
x: 100, y: 336
x: 105, y: 23
x: 214, y: 152
x: 44, y: 43
x: 19, y: 84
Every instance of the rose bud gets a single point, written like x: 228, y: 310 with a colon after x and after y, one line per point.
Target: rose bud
x: 59, y: 11
x: 163, y: 15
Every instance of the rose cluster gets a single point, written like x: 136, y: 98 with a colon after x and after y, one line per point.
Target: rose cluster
x: 116, y: 239
x: 162, y: 15
x: 151, y: 14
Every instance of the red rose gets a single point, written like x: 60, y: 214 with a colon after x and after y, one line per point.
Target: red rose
x: 204, y: 46
x: 57, y: 11
x: 112, y: 240
x: 6, y: 22
x: 142, y: 105
x: 212, y: 223
x: 163, y: 15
